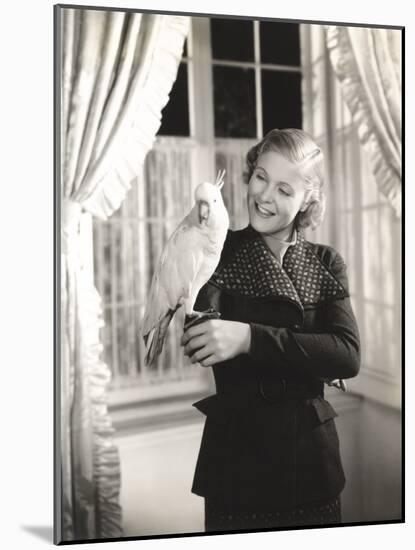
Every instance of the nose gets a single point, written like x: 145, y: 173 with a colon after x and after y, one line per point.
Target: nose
x: 266, y: 195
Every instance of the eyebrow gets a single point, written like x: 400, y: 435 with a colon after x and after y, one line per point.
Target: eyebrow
x: 283, y: 182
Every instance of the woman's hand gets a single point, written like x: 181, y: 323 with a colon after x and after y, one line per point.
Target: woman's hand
x: 216, y: 340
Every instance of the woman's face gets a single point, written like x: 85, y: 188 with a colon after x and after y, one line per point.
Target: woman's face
x: 276, y: 192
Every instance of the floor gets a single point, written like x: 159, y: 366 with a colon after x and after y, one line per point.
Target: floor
x: 159, y: 468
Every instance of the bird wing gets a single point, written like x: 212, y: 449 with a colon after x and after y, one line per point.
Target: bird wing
x: 172, y: 281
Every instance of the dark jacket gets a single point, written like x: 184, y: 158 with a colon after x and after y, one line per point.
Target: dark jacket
x: 269, y: 438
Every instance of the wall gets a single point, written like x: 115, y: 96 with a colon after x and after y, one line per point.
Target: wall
x: 381, y: 472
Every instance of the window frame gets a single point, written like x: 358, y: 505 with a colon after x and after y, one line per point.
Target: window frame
x: 200, y: 64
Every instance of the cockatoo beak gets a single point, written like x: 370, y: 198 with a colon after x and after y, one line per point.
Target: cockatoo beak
x: 203, y: 211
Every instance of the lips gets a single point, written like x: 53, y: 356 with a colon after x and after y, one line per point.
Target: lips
x: 262, y: 211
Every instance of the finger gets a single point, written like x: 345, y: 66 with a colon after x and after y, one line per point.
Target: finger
x: 201, y: 354
x: 209, y: 361
x: 195, y: 343
x: 196, y: 330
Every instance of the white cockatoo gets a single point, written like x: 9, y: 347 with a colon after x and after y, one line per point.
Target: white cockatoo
x: 187, y: 262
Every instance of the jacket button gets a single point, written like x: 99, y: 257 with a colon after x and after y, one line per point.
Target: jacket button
x: 296, y: 326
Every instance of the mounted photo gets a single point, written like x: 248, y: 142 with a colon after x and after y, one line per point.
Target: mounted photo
x: 228, y: 254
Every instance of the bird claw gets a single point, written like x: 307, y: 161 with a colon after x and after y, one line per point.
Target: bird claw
x: 199, y: 317
x: 337, y: 383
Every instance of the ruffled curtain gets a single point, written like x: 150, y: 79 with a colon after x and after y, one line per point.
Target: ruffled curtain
x: 116, y: 72
x: 367, y: 62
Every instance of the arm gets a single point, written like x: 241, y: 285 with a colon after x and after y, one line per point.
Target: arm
x: 332, y: 353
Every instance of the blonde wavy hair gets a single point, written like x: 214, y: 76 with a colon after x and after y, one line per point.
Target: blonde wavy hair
x: 300, y: 148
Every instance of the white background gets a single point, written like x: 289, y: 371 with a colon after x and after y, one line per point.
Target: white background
x: 26, y: 285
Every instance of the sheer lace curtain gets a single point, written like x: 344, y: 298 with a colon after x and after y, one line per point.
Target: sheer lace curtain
x: 115, y: 73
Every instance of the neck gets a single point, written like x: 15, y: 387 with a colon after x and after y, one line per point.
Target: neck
x: 274, y: 240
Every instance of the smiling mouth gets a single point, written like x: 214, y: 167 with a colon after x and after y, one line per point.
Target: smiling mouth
x: 263, y: 212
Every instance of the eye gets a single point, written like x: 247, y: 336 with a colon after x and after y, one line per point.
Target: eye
x: 286, y: 193
x: 260, y: 177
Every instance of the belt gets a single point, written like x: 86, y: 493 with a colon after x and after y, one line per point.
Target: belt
x: 272, y: 391
x: 280, y: 389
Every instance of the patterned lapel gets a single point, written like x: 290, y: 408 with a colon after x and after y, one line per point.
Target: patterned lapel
x: 252, y: 270
x: 312, y: 280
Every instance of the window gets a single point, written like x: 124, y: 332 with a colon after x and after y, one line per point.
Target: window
x: 281, y: 97
x: 256, y: 78
x: 280, y: 43
x: 234, y: 101
x: 223, y: 43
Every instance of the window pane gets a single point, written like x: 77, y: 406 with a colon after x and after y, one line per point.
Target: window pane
x: 281, y: 100
x: 175, y: 115
x: 234, y: 99
x: 280, y: 43
x: 232, y: 39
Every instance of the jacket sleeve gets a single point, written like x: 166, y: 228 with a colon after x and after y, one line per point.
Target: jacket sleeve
x: 332, y: 352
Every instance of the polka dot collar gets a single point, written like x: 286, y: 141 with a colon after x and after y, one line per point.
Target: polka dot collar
x: 252, y: 270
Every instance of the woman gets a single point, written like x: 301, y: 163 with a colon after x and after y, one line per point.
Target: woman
x: 269, y: 455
